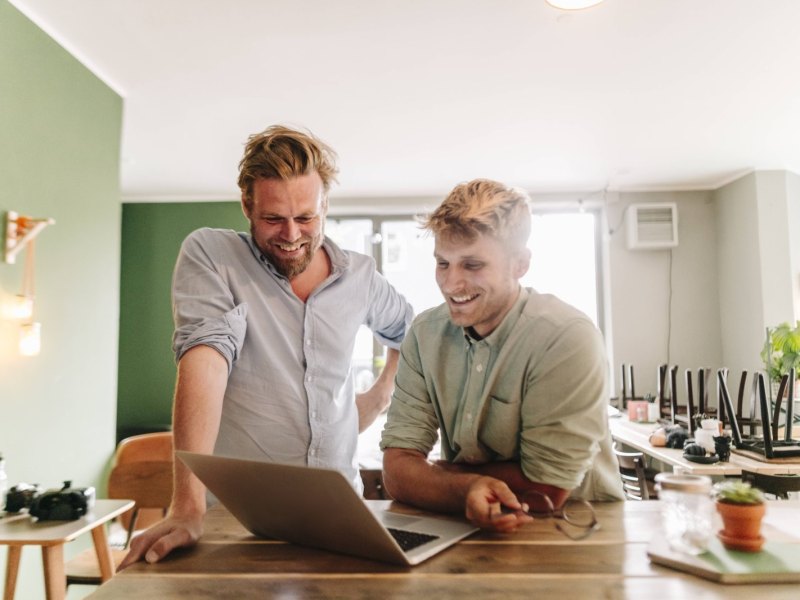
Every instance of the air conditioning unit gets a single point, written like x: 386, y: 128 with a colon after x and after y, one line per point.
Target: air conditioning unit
x: 652, y: 226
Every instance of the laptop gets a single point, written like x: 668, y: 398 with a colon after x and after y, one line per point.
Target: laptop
x: 319, y: 508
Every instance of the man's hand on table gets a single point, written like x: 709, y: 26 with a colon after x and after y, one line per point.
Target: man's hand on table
x: 484, y: 501
x: 162, y: 538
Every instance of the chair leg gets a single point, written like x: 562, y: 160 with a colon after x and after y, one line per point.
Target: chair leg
x: 132, y: 527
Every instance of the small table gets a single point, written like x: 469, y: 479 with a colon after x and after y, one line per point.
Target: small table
x: 19, y: 529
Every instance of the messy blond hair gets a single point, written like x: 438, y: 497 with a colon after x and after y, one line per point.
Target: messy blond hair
x: 280, y: 152
x: 483, y: 206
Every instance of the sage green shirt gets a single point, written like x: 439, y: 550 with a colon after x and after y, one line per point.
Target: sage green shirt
x: 535, y: 391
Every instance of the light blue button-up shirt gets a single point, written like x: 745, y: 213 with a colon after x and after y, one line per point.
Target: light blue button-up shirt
x: 290, y: 393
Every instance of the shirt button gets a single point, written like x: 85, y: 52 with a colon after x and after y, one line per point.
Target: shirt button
x: 469, y: 416
x: 479, y: 368
x: 312, y: 452
x: 309, y: 379
x: 308, y: 342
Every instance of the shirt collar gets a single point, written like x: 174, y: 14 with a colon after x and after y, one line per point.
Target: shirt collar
x: 502, y: 331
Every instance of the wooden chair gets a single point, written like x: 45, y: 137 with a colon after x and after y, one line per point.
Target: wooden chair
x: 632, y: 472
x: 664, y: 401
x: 680, y: 414
x: 690, y: 406
x: 751, y: 421
x: 138, y: 448
x: 777, y: 485
x: 628, y: 391
x: 703, y: 385
x: 142, y: 472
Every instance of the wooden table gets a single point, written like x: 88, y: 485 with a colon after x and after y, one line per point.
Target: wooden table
x: 635, y: 435
x: 537, y: 561
x: 18, y: 530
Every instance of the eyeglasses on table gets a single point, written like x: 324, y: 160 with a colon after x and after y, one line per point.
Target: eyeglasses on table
x: 576, y: 519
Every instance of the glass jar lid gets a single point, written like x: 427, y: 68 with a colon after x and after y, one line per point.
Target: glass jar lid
x: 691, y: 484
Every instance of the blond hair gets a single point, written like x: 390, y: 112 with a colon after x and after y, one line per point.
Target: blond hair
x: 483, y: 206
x: 280, y: 152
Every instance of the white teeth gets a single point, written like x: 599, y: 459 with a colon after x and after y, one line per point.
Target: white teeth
x: 289, y: 247
x: 462, y: 299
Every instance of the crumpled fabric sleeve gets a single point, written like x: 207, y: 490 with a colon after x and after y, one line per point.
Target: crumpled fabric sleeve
x: 564, y: 415
x: 389, y: 315
x: 204, y: 310
x: 412, y: 422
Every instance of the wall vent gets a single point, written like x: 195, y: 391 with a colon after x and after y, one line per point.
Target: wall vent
x: 652, y: 226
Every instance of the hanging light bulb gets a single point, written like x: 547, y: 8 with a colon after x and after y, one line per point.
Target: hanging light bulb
x: 21, y: 305
x: 18, y: 307
x: 30, y: 339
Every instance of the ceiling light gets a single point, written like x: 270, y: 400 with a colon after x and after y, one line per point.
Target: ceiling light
x: 573, y: 4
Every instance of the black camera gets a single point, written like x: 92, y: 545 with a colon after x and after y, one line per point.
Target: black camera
x: 21, y: 496
x: 66, y: 504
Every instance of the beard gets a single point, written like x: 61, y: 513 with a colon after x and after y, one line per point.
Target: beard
x: 290, y: 267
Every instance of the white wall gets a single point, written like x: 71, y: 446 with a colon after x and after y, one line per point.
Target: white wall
x: 793, y: 201
x: 740, y: 280
x: 774, y: 247
x: 662, y: 312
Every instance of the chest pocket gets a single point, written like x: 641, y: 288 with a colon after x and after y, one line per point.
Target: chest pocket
x: 500, y: 428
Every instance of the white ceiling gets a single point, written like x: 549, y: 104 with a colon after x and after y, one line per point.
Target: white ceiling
x: 417, y: 95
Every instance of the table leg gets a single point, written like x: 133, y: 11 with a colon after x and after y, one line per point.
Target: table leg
x: 55, y: 580
x: 101, y: 548
x: 12, y: 568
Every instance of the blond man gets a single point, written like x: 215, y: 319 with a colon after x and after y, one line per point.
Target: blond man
x: 265, y: 326
x: 513, y: 382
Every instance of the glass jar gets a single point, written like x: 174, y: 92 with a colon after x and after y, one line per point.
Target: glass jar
x: 687, y: 511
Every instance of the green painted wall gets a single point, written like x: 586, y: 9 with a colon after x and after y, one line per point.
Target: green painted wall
x: 151, y: 237
x: 59, y: 157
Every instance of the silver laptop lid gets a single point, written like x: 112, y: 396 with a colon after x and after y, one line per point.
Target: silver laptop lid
x: 315, y: 507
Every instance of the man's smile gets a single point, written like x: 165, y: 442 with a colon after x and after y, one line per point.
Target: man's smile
x: 463, y: 299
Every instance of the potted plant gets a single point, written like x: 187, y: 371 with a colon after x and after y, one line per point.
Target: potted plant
x: 742, y: 508
x: 781, y: 351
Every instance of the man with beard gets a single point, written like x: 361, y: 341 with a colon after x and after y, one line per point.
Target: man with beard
x: 265, y: 326
x: 513, y: 382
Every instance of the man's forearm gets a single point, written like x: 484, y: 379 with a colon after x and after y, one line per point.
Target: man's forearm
x: 511, y: 473
x: 376, y: 399
x: 387, y: 374
x: 409, y: 477
x: 202, y: 379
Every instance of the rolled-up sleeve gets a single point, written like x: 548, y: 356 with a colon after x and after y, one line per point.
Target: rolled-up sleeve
x: 564, y: 413
x: 390, y: 314
x: 411, y: 422
x: 203, y: 306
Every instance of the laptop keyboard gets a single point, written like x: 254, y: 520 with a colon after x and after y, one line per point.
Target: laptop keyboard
x: 408, y: 540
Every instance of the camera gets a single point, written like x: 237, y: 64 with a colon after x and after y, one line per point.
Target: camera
x: 21, y: 496
x: 66, y: 504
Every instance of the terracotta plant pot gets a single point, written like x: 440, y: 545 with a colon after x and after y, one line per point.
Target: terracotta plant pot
x: 741, y: 526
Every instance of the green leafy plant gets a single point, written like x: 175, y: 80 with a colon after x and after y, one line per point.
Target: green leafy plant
x: 738, y: 492
x: 781, y: 350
